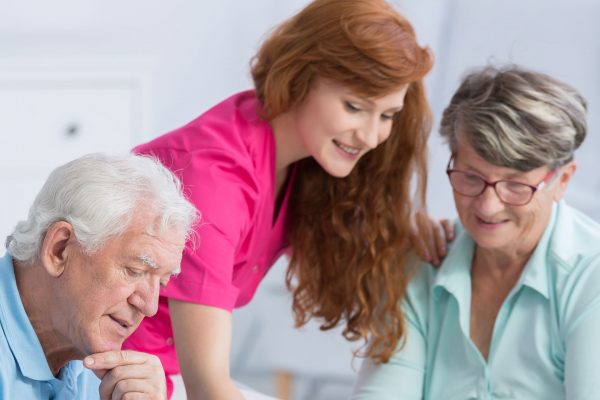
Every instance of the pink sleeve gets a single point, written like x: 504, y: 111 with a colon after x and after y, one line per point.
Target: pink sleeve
x: 222, y: 188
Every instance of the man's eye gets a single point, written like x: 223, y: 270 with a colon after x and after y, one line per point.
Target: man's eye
x: 135, y: 273
x: 351, y: 107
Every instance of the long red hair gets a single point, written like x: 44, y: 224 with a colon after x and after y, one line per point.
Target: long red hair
x: 350, y: 236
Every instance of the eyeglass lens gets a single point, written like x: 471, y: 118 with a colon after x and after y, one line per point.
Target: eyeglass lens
x: 508, y: 191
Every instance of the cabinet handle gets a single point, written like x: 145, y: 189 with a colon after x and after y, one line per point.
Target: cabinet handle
x: 72, y: 130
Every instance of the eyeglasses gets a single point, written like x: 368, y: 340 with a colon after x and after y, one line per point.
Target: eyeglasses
x: 509, y: 192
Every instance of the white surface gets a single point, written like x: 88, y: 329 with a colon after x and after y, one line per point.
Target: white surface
x: 247, y: 392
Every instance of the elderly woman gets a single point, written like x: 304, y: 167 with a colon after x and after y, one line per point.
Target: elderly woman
x: 514, y: 310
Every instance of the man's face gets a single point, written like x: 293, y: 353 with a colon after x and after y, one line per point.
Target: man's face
x: 104, y: 296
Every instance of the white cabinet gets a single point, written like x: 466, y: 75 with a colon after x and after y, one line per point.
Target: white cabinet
x: 52, y: 112
x: 44, y: 126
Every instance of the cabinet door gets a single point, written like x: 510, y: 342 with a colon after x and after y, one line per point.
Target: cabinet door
x: 44, y: 127
x: 45, y: 123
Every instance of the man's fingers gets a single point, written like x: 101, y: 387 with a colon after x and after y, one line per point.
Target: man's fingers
x: 114, y: 358
x: 144, y: 378
x: 128, y: 374
x: 118, y: 380
x: 131, y: 388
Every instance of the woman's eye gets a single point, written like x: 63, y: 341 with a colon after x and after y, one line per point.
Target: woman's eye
x: 387, y: 117
x: 351, y: 107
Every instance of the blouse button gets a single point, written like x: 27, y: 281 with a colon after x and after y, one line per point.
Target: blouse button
x: 169, y: 341
x: 255, y: 269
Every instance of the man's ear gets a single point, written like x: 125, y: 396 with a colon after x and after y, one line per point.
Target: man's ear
x: 57, y: 245
x: 566, y: 172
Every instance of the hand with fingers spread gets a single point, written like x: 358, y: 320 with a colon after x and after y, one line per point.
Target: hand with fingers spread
x: 128, y: 374
x: 430, y: 236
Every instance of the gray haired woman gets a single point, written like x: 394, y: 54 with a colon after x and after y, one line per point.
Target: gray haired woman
x: 514, y: 310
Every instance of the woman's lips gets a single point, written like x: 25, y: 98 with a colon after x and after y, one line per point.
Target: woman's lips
x: 347, y: 151
x: 490, y: 224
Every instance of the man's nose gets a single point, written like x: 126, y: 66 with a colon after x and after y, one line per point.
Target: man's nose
x: 145, y: 297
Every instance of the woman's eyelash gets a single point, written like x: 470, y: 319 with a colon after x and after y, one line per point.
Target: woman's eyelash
x: 351, y: 107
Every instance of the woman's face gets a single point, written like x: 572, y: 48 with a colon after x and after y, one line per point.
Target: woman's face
x: 495, y: 225
x: 337, y: 127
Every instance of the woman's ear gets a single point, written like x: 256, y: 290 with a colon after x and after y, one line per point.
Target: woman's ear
x: 566, y: 172
x: 56, y: 246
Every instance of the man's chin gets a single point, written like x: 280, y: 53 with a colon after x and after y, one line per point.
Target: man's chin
x: 113, y: 345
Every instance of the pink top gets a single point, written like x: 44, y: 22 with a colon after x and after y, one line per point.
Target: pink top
x: 226, y: 161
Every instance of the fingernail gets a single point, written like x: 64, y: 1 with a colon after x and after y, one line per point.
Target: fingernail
x: 427, y: 256
x: 88, y: 361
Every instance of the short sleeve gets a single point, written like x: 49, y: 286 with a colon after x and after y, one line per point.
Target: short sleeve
x: 220, y: 184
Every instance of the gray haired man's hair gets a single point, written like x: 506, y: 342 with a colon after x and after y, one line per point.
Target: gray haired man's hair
x: 98, y: 195
x: 516, y: 118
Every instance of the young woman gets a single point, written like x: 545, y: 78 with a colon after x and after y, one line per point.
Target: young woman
x: 318, y: 157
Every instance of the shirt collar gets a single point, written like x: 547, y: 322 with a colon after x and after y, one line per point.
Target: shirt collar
x: 454, y: 273
x: 535, y: 273
x: 20, y: 335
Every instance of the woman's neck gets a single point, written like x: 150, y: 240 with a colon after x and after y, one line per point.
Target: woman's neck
x: 501, y: 264
x: 288, y: 147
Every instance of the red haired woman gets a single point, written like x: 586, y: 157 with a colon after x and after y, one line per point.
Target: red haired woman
x: 318, y: 157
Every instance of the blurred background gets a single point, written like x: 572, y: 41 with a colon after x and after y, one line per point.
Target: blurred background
x: 79, y: 76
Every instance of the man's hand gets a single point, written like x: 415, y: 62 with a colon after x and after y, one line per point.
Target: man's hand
x: 128, y: 375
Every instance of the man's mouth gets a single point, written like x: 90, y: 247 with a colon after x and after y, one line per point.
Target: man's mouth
x: 124, y: 325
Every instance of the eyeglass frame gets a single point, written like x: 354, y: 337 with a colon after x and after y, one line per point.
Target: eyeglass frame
x: 545, y: 181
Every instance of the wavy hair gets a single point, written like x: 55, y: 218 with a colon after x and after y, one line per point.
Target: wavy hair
x: 350, y: 236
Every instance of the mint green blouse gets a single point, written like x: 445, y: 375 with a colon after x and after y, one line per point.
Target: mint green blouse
x: 546, y: 338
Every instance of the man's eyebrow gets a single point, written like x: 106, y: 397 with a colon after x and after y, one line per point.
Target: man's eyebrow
x: 148, y: 261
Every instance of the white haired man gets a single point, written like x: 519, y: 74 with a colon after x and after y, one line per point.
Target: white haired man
x: 81, y: 273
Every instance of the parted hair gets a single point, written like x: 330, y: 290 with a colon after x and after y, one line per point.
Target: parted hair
x: 516, y: 118
x: 349, y: 236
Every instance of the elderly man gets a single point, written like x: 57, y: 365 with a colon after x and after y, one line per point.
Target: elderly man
x: 80, y: 275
